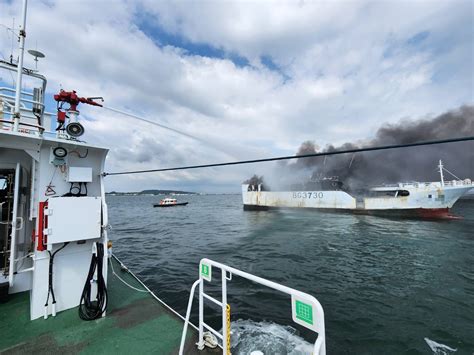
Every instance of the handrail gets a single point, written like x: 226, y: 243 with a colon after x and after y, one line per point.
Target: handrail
x: 6, y: 88
x: 40, y: 128
x: 306, y: 309
x: 453, y: 182
x: 23, y: 100
x: 31, y: 73
x: 188, y: 312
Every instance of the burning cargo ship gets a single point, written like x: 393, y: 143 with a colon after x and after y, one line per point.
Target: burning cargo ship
x: 411, y: 199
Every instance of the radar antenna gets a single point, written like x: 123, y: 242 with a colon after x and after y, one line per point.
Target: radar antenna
x: 36, y: 54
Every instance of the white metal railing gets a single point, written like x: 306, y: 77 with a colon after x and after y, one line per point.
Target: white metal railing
x: 23, y: 103
x: 6, y: 88
x: 7, y: 121
x: 306, y: 309
x: 465, y: 182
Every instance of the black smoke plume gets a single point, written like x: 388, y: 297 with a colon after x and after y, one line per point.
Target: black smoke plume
x: 254, y: 180
x: 360, y: 170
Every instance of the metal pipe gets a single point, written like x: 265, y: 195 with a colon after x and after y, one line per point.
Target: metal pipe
x: 213, y: 331
x: 13, y: 90
x: 40, y: 128
x: 32, y: 188
x: 188, y: 314
x: 224, y: 312
x: 441, y: 172
x: 26, y: 270
x: 8, y: 66
x: 212, y: 299
x: 16, y: 190
x: 201, y: 314
x: 22, y: 100
x: 20, y: 66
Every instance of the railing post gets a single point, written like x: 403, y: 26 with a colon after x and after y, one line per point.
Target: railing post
x: 224, y: 312
x: 201, y: 313
x: 188, y: 315
x: 320, y: 346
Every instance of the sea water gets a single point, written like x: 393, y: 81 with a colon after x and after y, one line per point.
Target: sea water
x: 388, y: 286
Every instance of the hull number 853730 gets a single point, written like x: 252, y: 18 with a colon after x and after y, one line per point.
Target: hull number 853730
x: 308, y: 194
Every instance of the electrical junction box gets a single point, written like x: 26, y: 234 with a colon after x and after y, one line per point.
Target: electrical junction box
x: 76, y: 174
x: 73, y: 218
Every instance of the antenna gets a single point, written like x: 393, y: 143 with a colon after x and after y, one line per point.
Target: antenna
x: 36, y: 54
x: 19, y: 68
x: 441, y: 168
x: 13, y: 41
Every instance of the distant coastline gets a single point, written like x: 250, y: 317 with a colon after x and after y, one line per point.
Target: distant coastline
x: 151, y: 193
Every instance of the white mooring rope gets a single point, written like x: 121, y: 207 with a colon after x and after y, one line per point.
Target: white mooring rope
x: 125, y: 282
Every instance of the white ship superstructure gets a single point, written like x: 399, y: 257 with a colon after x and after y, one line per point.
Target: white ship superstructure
x: 423, y: 199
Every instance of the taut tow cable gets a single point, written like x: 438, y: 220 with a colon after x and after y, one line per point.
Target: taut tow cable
x: 290, y: 157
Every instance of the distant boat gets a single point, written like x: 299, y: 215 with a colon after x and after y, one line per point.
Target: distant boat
x: 169, y: 202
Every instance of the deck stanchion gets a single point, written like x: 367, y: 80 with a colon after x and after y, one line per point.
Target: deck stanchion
x: 201, y: 313
x: 224, y: 312
x: 188, y: 314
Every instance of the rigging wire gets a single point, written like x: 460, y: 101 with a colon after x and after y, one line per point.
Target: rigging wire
x: 451, y: 173
x: 13, y: 34
x: 125, y: 282
x: 206, y: 142
x: 290, y: 157
x: 154, y: 123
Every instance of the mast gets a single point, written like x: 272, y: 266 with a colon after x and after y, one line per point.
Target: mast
x: 440, y: 166
x: 16, y: 116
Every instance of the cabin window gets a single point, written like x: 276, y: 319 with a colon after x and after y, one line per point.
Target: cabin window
x: 403, y: 193
x: 391, y: 193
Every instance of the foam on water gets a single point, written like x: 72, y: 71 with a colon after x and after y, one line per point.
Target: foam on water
x: 267, y: 337
x: 439, y: 349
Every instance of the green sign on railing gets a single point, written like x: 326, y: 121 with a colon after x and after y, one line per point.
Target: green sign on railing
x: 206, y: 272
x: 304, y: 312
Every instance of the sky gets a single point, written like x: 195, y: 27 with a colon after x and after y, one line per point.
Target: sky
x: 247, y: 79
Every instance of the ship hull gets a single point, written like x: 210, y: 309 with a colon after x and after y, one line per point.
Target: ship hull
x: 170, y: 205
x: 425, y: 213
x: 421, y: 201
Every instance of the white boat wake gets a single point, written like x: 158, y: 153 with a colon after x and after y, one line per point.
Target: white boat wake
x: 268, y: 338
x: 439, y: 349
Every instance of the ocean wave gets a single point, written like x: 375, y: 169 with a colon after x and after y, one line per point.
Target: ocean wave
x: 267, y: 337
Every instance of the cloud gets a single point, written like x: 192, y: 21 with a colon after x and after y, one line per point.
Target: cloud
x: 251, y: 79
